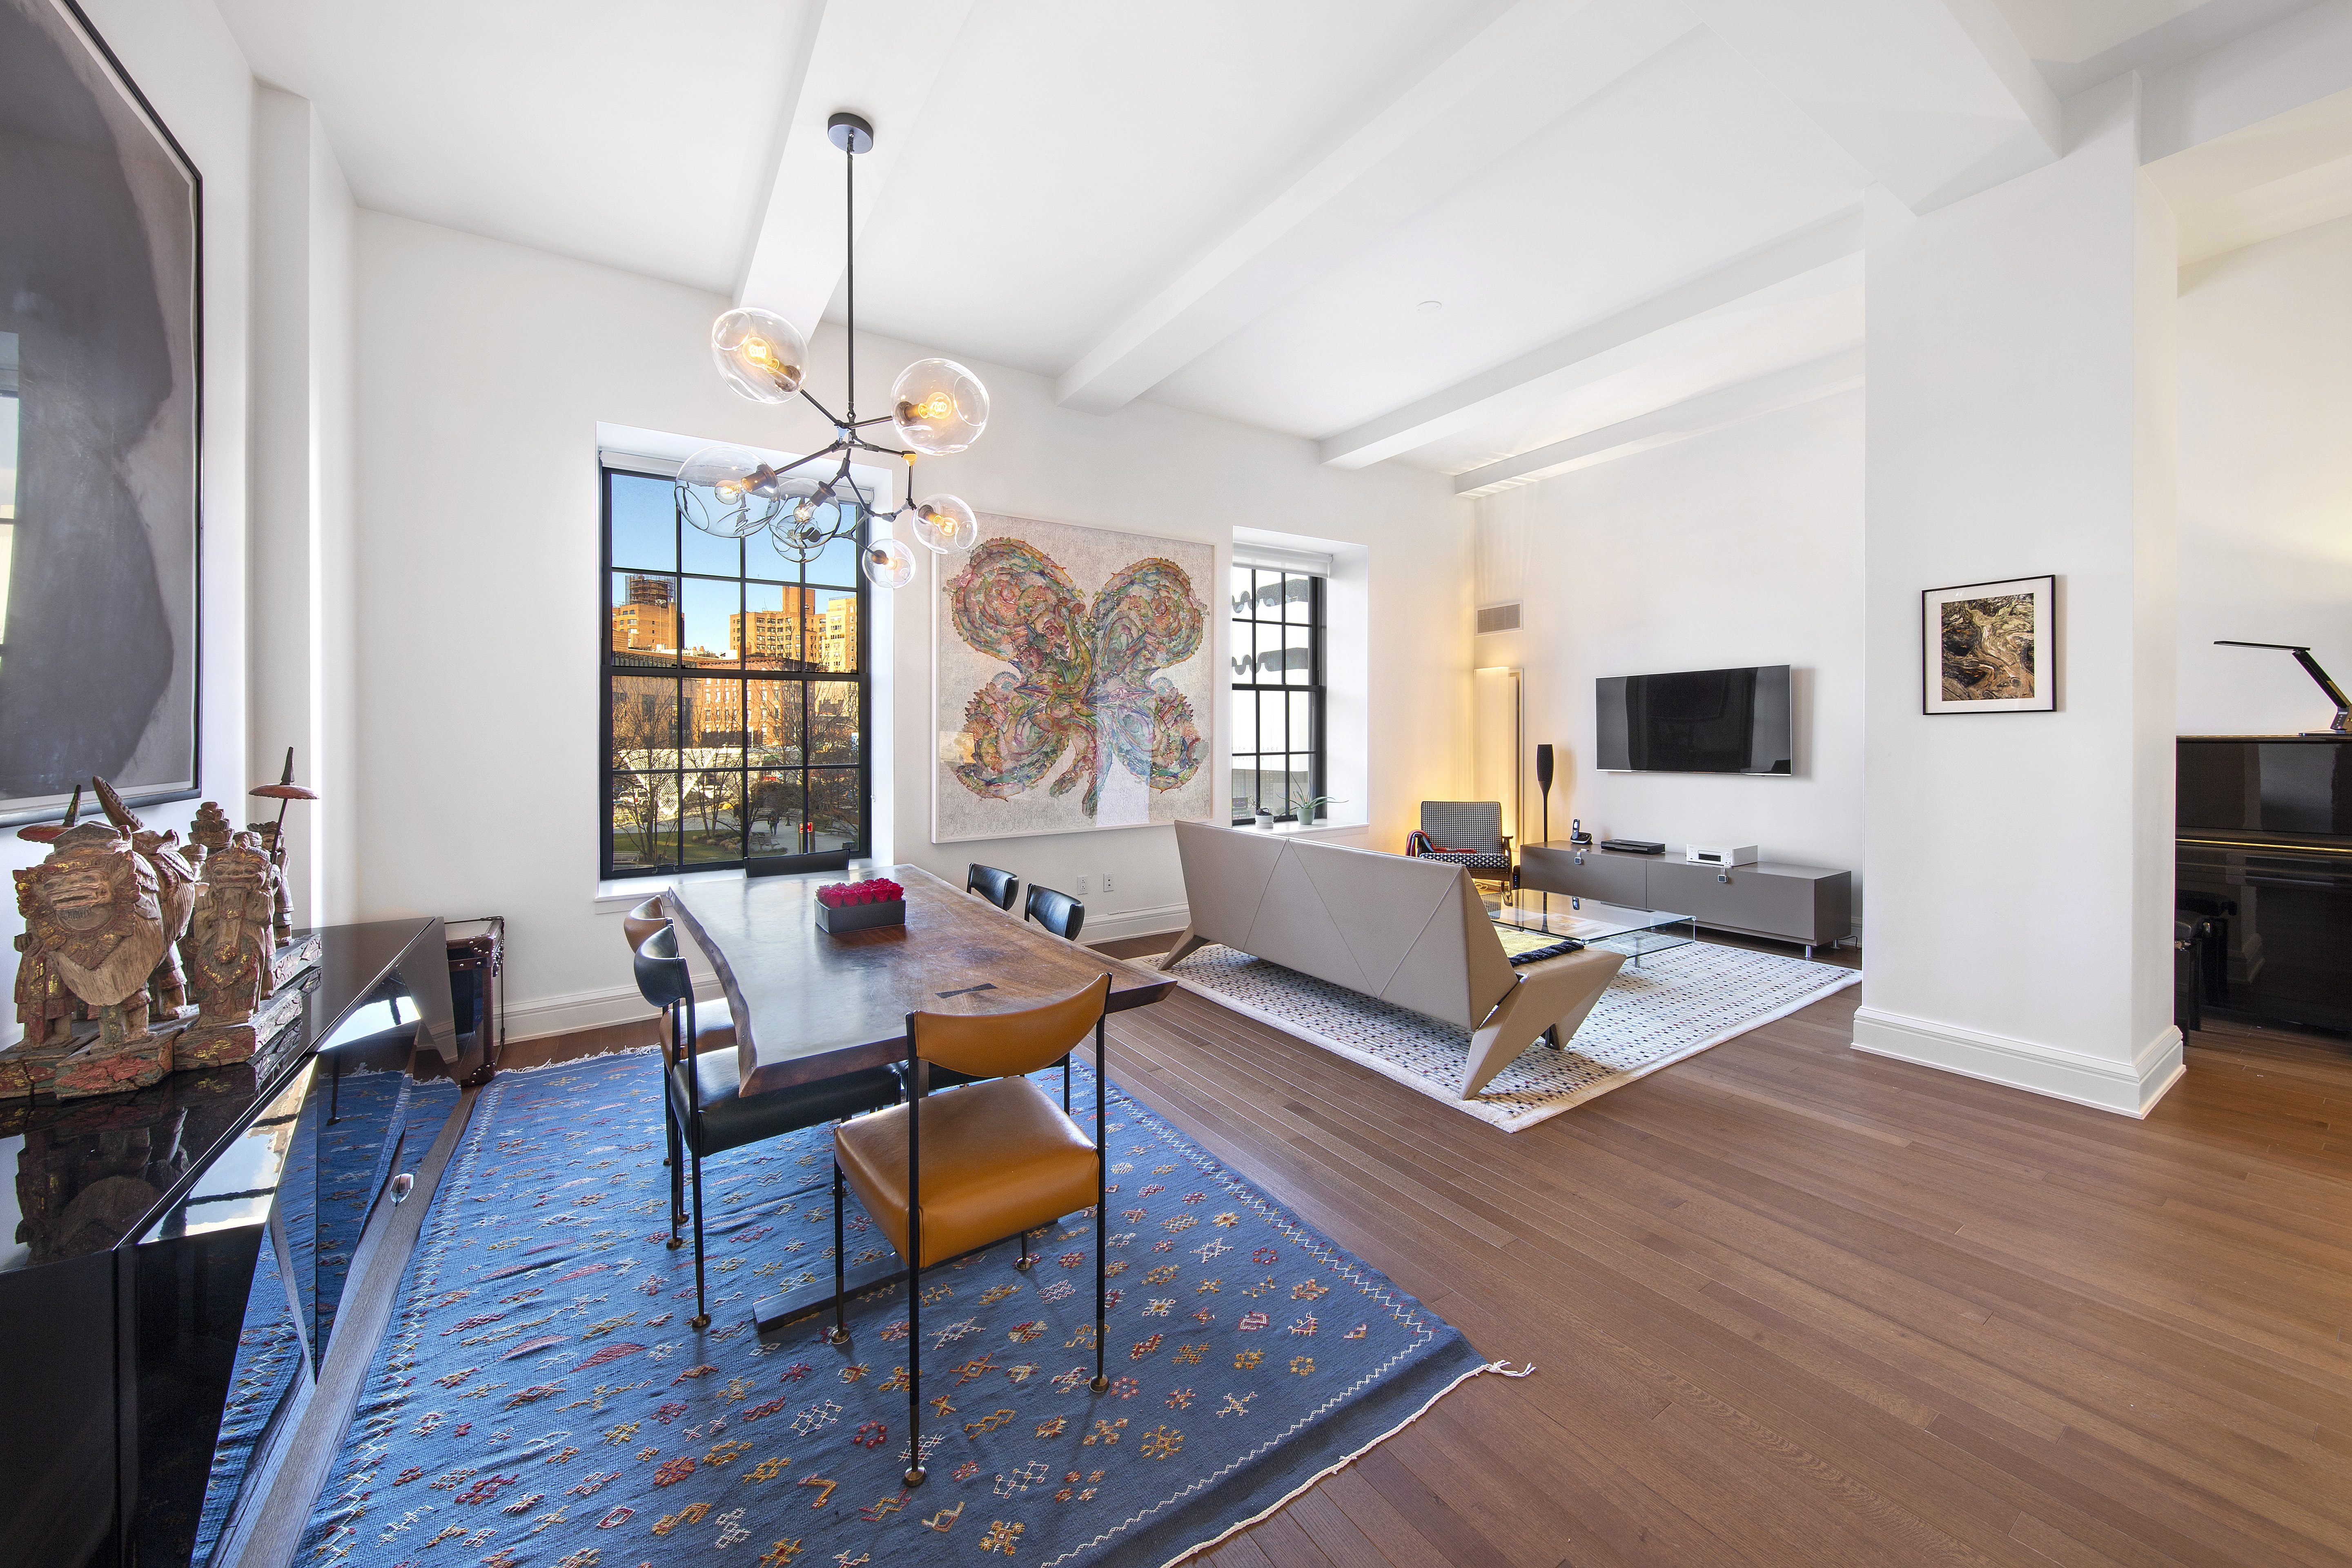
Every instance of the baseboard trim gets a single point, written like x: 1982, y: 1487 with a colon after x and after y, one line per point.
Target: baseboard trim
x: 1163, y: 919
x: 2130, y: 1089
x: 563, y: 1015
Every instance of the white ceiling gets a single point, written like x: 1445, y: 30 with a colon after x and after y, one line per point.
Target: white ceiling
x: 1621, y: 207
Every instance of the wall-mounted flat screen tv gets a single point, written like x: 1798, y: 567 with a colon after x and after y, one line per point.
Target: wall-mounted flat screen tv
x: 1695, y: 721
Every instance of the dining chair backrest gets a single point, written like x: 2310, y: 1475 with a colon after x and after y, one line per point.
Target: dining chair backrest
x: 1056, y: 911
x: 662, y: 976
x: 643, y: 921
x: 999, y: 888
x: 1006, y: 1045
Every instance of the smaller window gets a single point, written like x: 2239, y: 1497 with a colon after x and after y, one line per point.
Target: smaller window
x: 1277, y: 691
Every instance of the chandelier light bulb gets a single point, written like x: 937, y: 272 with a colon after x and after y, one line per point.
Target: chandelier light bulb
x: 728, y: 492
x: 944, y: 523
x: 938, y: 407
x: 889, y: 563
x: 761, y: 355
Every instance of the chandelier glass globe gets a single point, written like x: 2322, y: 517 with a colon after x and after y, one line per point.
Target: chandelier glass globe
x: 889, y: 562
x: 944, y: 523
x: 938, y: 407
x: 729, y: 491
x: 762, y: 356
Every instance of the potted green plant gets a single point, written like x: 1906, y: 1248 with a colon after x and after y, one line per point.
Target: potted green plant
x: 1310, y: 811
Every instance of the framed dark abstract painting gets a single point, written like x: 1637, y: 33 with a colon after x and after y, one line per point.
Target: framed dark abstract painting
x: 101, y: 356
x: 1988, y: 647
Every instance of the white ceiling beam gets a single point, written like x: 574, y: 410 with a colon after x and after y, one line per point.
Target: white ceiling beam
x: 1533, y: 63
x: 1823, y: 256
x: 1676, y: 422
x: 878, y: 61
x: 1936, y: 99
x: 2297, y: 61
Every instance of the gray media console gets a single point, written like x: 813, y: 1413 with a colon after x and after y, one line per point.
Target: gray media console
x: 1808, y: 904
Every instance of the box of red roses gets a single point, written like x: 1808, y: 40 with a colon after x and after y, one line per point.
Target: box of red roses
x: 860, y: 906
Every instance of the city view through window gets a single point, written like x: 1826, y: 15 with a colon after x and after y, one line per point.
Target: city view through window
x: 734, y: 693
x: 1278, y: 692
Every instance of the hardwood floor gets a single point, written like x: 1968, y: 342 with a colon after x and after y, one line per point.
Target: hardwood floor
x: 1794, y: 1304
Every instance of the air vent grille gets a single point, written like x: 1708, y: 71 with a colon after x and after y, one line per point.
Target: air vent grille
x: 1499, y: 619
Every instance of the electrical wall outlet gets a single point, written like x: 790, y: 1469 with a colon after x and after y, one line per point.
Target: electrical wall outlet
x: 1082, y: 887
x: 1105, y: 882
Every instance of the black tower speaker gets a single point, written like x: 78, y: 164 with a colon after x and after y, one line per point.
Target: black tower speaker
x: 1543, y: 767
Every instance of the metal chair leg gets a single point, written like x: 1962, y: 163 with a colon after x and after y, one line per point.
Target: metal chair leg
x: 1065, y: 1085
x: 839, y: 1333
x: 915, y: 1471
x: 1102, y: 1196
x: 1024, y: 1262
x: 701, y: 1305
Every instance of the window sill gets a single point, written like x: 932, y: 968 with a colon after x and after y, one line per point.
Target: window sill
x: 1320, y: 830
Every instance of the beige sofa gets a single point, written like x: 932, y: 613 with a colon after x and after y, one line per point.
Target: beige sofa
x: 1408, y: 932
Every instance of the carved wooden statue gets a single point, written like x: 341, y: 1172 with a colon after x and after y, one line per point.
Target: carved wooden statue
x: 228, y: 945
x: 175, y: 896
x: 45, y: 1004
x: 209, y: 834
x: 91, y: 909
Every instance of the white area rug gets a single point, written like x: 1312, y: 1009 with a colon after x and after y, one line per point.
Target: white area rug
x: 1678, y: 1004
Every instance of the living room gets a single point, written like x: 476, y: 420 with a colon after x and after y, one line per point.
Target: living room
x: 800, y: 594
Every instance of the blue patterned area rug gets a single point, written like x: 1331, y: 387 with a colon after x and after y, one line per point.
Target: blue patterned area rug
x: 539, y: 1399
x: 1679, y: 1003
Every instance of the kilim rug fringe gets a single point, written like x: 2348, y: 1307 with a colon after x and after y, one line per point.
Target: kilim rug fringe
x: 1309, y: 1484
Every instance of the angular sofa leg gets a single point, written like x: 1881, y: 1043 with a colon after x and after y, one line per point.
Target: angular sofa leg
x: 1560, y: 992
x: 1186, y: 946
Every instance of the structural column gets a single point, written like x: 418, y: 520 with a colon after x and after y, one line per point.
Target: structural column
x: 2021, y: 411
x: 298, y: 555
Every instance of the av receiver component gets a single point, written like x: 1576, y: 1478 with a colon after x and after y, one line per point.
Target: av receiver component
x: 1719, y: 855
x: 1635, y: 846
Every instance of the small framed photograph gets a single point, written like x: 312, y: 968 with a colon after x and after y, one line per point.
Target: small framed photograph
x: 1990, y: 647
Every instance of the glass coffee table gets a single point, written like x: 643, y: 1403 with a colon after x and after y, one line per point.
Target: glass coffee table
x: 1635, y: 932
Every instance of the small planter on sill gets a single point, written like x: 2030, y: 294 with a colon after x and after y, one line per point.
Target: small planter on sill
x: 843, y: 907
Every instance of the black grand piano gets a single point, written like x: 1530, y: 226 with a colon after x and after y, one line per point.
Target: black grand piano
x: 2264, y: 870
x: 170, y: 1280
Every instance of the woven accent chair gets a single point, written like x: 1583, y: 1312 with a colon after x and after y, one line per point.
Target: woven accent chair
x: 1467, y: 833
x: 999, y: 888
x: 708, y: 1113
x: 985, y: 1163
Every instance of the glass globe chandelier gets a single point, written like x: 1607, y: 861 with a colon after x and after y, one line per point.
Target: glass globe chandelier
x: 937, y: 408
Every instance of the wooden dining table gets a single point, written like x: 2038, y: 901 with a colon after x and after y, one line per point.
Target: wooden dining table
x: 809, y: 1005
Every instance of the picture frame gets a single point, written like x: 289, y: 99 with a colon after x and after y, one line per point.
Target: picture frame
x: 1021, y: 753
x: 101, y: 428
x: 1990, y: 647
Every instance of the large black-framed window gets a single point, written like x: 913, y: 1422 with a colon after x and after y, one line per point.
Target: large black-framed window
x: 1278, y: 695
x: 735, y: 696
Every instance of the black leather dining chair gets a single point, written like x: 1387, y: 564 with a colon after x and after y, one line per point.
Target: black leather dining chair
x: 708, y: 1112
x: 1056, y: 911
x: 999, y: 888
x: 714, y: 1027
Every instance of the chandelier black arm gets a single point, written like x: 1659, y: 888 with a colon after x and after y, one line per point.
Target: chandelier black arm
x: 821, y: 408
x: 878, y: 419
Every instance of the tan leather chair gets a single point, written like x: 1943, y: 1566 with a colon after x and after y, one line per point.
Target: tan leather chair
x: 993, y: 1160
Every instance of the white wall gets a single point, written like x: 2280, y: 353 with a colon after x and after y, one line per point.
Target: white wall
x: 487, y: 367
x: 2020, y: 403
x: 1742, y: 546
x: 183, y: 57
x: 2265, y: 480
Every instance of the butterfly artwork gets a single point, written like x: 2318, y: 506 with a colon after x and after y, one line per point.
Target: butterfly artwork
x: 1073, y: 682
